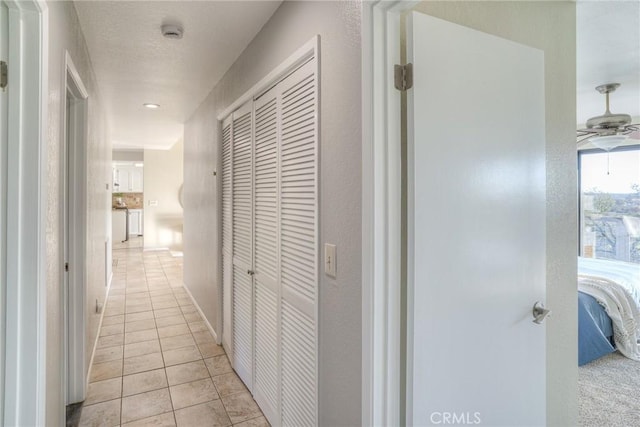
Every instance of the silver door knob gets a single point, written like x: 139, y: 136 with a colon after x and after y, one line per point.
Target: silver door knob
x: 539, y: 312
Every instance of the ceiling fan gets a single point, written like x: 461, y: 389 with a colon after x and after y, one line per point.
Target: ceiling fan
x: 608, y: 130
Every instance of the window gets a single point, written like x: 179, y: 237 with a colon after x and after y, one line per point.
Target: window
x: 610, y: 204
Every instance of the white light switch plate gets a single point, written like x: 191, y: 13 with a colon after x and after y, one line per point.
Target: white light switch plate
x: 153, y: 203
x: 330, y: 260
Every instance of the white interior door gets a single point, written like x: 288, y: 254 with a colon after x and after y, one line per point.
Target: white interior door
x: 67, y: 282
x: 299, y: 147
x: 266, y: 232
x: 74, y: 234
x: 270, y: 231
x: 476, y: 227
x: 227, y: 235
x: 243, y: 244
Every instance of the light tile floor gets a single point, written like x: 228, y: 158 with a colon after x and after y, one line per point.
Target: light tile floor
x: 156, y: 364
x: 132, y: 242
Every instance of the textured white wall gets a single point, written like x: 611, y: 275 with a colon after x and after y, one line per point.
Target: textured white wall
x: 293, y: 24
x: 163, y: 178
x: 65, y: 34
x: 551, y: 27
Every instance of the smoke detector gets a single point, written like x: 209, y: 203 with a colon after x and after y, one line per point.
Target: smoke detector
x: 171, y: 31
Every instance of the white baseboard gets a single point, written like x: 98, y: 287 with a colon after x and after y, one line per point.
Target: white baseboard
x: 206, y: 321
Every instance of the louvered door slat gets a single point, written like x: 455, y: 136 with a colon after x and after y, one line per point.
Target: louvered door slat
x: 267, y: 328
x: 298, y: 247
x: 242, y: 243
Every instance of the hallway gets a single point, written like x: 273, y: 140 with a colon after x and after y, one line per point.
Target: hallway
x: 155, y: 362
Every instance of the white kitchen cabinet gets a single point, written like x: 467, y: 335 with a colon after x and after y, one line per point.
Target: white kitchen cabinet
x: 128, y: 179
x: 135, y: 222
x: 120, y: 180
x: 136, y: 180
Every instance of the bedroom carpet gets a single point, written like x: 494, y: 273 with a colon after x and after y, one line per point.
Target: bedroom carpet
x: 609, y: 392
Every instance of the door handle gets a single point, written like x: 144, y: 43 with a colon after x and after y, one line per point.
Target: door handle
x: 539, y: 312
x: 251, y: 272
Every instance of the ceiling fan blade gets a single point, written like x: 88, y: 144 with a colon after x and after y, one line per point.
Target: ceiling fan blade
x: 583, y: 138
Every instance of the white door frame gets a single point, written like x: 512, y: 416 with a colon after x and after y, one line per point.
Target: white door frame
x: 381, y: 214
x: 74, y: 205
x: 25, y: 362
x: 4, y: 50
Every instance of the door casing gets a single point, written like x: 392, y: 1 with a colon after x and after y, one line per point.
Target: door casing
x: 4, y: 53
x: 74, y: 226
x: 24, y: 387
x: 382, y: 366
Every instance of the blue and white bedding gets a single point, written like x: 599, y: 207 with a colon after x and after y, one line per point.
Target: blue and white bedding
x: 616, y: 286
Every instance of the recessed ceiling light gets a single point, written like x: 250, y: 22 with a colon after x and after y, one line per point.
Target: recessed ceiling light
x: 152, y: 106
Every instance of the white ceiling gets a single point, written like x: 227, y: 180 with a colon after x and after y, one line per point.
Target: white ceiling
x: 134, y: 64
x: 608, y: 51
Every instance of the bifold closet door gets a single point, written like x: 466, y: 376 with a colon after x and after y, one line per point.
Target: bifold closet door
x: 285, y: 212
x: 227, y: 233
x: 273, y: 147
x: 266, y: 383
x: 299, y: 245
x: 242, y: 208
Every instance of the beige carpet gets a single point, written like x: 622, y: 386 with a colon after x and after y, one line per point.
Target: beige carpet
x: 609, y: 392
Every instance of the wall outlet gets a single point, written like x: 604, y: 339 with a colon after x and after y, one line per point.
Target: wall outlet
x: 330, y: 260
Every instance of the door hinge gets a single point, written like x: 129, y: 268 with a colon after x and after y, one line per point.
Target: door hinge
x: 403, y: 76
x: 66, y: 266
x: 4, y: 75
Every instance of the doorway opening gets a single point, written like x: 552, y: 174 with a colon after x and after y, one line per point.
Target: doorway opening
x: 74, y: 231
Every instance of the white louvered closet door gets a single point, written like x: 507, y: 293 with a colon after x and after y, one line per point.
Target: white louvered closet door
x: 266, y: 388
x: 242, y: 208
x: 227, y: 232
x: 298, y: 245
x: 274, y: 226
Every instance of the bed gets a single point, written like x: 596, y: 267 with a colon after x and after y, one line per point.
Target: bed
x: 595, y: 330
x: 608, y: 309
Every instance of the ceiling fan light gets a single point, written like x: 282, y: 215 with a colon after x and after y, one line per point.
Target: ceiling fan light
x: 608, y: 130
x: 608, y: 143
